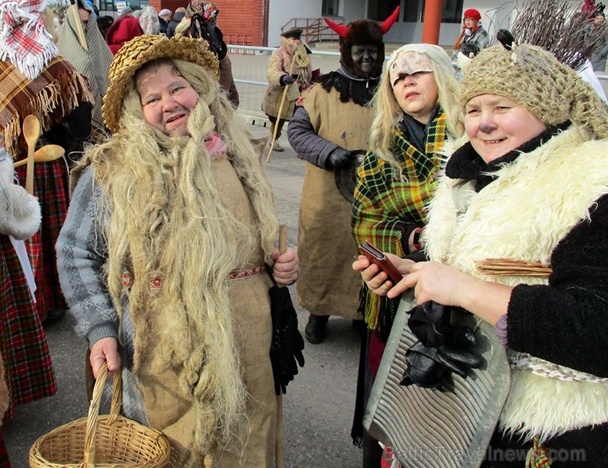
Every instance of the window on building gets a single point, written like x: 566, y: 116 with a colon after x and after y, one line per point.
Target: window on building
x: 452, y: 11
x: 330, y: 8
x: 412, y: 11
x: 379, y: 10
x: 110, y: 5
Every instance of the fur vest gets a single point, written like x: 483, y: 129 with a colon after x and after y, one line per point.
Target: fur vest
x: 523, y: 214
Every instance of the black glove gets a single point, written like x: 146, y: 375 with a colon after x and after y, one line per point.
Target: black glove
x: 287, y: 343
x: 442, y: 349
x: 338, y: 158
x: 430, y: 323
x: 285, y: 80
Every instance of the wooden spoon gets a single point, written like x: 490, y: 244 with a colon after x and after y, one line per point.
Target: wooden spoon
x: 31, y: 133
x: 45, y: 154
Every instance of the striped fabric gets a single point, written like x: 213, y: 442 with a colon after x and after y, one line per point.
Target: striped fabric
x: 27, y: 362
x: 386, y: 207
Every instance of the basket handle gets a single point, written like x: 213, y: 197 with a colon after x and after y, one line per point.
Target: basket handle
x: 89, y: 438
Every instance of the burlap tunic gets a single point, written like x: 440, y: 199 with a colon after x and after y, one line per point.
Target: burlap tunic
x: 171, y: 411
x: 327, y: 285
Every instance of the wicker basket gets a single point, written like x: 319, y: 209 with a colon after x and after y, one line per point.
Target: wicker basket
x: 101, y: 441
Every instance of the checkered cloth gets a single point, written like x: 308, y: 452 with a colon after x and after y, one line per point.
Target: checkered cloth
x: 23, y: 39
x: 27, y: 362
x: 52, y: 95
x: 385, y: 204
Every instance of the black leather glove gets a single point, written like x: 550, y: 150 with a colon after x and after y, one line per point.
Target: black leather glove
x: 430, y: 323
x: 285, y: 80
x: 338, y: 158
x: 442, y: 349
x: 287, y: 343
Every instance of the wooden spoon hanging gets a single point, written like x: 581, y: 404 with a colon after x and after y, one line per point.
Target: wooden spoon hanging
x: 31, y: 133
x: 45, y: 154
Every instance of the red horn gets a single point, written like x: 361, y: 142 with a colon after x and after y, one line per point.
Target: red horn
x: 388, y: 22
x: 340, y: 29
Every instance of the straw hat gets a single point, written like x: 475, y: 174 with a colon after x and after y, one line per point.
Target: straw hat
x: 142, y: 50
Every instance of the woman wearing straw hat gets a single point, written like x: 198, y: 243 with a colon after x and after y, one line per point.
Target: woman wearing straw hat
x: 530, y: 186
x: 164, y: 253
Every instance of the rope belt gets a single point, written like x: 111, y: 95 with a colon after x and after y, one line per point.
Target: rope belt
x: 156, y: 282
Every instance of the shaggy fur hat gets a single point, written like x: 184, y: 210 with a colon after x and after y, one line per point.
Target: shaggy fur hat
x: 536, y: 80
x: 144, y: 49
x: 362, y: 32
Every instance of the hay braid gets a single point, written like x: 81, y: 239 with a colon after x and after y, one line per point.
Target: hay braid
x: 241, y: 152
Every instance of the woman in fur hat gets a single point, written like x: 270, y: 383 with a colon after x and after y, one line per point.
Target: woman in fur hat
x: 531, y: 186
x: 331, y: 121
x: 164, y: 254
x: 395, y: 182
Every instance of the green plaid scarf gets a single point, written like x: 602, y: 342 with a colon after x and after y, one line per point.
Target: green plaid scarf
x: 386, y: 204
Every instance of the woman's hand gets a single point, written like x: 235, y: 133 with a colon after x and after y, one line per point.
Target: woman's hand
x: 286, y: 266
x: 377, y: 281
x: 104, y: 350
x: 433, y: 281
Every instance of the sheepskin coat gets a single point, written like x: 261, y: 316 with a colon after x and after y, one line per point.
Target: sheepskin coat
x: 546, y: 203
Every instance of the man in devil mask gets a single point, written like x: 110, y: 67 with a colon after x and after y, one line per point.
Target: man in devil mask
x: 330, y: 126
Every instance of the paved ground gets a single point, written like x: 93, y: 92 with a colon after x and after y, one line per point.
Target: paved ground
x: 319, y: 403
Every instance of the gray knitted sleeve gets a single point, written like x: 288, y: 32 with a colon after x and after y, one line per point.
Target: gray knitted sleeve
x: 81, y: 254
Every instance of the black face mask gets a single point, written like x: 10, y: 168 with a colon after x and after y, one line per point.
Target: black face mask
x: 364, y: 60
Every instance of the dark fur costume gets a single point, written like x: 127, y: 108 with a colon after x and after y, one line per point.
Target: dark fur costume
x: 360, y: 91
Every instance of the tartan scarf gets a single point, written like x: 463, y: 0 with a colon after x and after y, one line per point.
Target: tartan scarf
x: 389, y: 202
x: 23, y: 39
x: 51, y: 96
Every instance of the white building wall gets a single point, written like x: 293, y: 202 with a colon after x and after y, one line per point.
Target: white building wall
x: 495, y: 14
x: 283, y: 11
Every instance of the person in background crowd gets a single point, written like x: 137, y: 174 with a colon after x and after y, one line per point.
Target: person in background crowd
x: 331, y: 121
x: 149, y: 21
x: 91, y: 57
x: 125, y: 28
x: 395, y: 183
x: 37, y: 81
x: 200, y: 23
x: 289, y: 65
x: 104, y: 23
x: 178, y: 16
x: 598, y: 27
x: 531, y: 187
x: 472, y: 33
x: 167, y: 256
x: 163, y: 19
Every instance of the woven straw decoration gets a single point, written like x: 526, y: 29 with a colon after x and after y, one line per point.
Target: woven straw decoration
x: 101, y: 441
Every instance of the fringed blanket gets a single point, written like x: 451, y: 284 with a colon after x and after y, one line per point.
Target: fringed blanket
x: 51, y: 96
